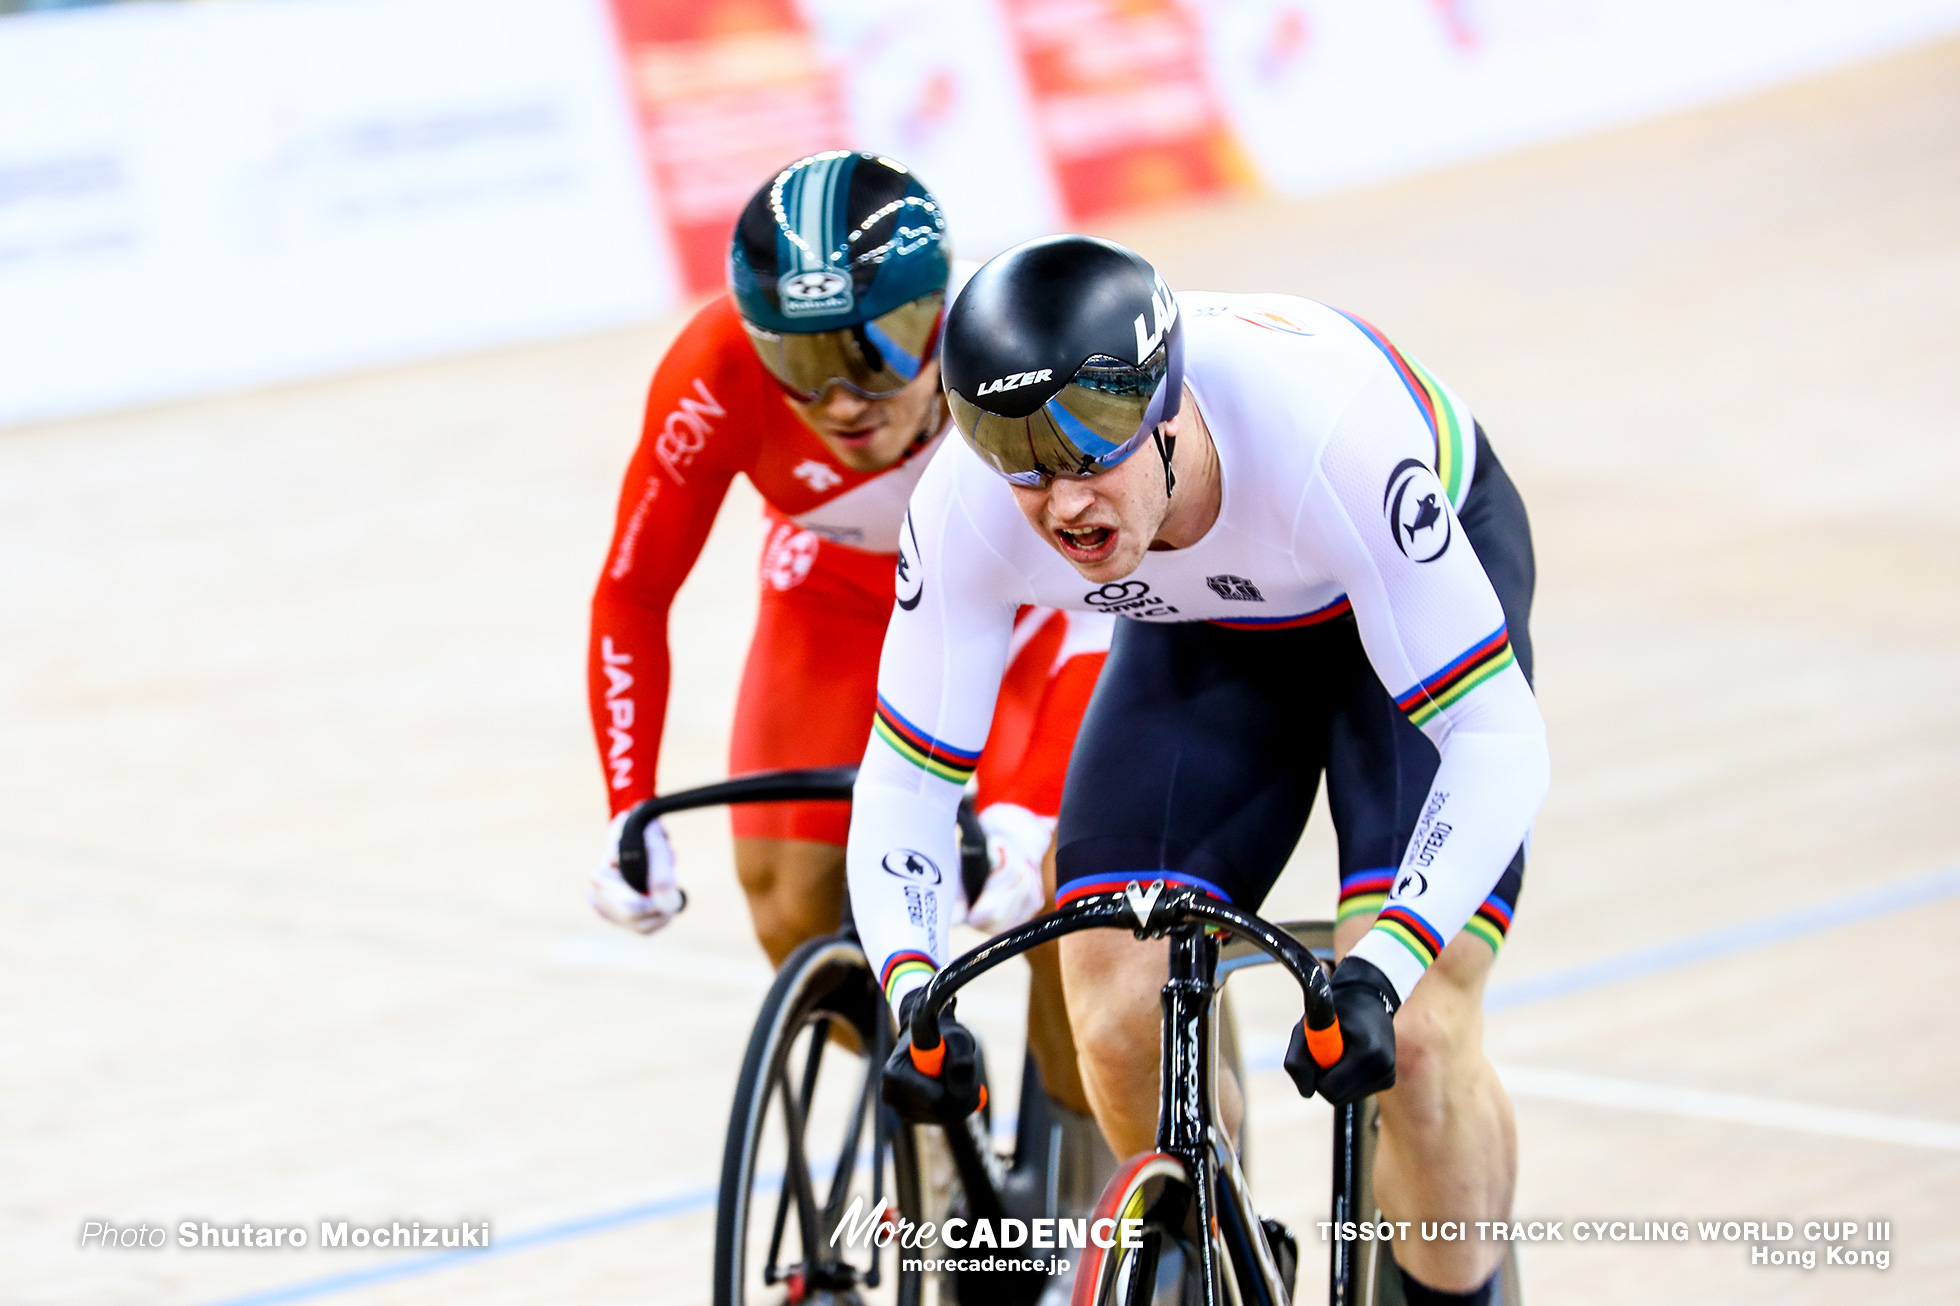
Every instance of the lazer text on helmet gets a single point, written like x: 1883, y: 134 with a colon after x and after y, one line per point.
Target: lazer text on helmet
x: 1015, y: 380
x: 1163, y: 312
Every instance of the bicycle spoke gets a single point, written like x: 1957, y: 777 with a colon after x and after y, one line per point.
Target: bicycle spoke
x: 769, y: 1272
x: 881, y: 1137
x: 1141, y: 1290
x: 797, y: 1170
x: 819, y: 1039
x: 840, y: 1179
x: 796, y: 1101
x: 819, y: 1036
x: 882, y: 1119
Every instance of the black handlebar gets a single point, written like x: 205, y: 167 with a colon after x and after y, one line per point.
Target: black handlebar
x: 810, y: 785
x: 1148, y: 913
x: 818, y: 784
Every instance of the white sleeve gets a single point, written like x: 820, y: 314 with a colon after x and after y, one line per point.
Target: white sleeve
x: 945, y: 652
x: 1435, y: 634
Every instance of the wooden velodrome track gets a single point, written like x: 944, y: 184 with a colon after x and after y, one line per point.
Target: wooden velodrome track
x: 299, y: 797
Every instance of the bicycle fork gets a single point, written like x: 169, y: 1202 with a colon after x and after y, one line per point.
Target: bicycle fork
x: 1343, y: 1275
x: 1188, y: 1128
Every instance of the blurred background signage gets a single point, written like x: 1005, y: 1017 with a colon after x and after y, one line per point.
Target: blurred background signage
x: 195, y: 197
x: 1125, y: 107
x: 725, y: 92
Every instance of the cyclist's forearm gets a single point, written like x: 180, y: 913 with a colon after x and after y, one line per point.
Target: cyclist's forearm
x: 938, y: 677
x: 1487, y: 791
x: 903, y: 865
x: 660, y: 532
x: 627, y: 673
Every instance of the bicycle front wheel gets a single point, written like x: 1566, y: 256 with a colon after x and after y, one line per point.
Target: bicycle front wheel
x: 1160, y: 1269
x: 814, y: 1162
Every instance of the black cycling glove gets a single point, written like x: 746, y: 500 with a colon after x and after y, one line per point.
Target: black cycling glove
x: 1365, y: 1006
x: 925, y: 1088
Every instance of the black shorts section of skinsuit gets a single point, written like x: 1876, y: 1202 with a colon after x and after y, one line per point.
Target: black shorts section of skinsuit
x: 1203, y: 747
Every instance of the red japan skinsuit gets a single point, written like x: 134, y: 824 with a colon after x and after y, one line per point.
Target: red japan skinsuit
x: 826, y: 575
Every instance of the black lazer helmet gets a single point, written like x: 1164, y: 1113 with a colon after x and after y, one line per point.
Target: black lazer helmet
x: 1060, y: 356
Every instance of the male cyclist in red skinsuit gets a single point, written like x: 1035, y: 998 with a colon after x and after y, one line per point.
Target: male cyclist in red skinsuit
x: 817, y: 378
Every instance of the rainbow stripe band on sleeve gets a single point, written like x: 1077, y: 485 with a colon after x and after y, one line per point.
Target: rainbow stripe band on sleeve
x: 1338, y: 608
x: 1492, y: 922
x: 933, y: 756
x: 1363, y: 893
x: 1484, y: 659
x: 901, y: 964
x: 1446, y: 424
x: 1412, y: 932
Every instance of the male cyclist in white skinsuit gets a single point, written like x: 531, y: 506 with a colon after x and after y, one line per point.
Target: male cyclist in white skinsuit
x: 1324, y: 568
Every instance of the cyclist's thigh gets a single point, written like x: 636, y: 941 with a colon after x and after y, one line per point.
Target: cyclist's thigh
x: 809, y: 686
x: 1197, y: 760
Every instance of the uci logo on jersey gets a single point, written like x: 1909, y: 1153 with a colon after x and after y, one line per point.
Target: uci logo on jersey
x: 911, y: 865
x: 1418, y: 511
x: 1012, y: 381
x: 1163, y: 312
x: 821, y: 291
x: 1128, y: 598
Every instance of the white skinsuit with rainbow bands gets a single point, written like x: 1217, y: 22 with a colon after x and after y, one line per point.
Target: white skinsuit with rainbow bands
x: 1341, y: 465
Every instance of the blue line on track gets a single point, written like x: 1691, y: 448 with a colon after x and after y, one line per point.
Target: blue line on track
x: 1729, y: 939
x: 1722, y: 942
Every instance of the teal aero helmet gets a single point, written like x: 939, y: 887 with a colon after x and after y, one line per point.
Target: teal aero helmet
x: 838, y: 267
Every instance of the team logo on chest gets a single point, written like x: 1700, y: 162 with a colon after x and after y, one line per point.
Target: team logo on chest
x: 1128, y: 598
x: 1235, y: 587
x: 1418, y: 511
x: 818, y: 476
x: 788, y: 556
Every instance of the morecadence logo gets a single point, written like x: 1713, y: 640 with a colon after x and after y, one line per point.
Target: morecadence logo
x: 882, y: 1226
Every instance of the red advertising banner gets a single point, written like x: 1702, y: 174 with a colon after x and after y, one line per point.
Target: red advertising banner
x: 1122, y: 103
x: 727, y: 92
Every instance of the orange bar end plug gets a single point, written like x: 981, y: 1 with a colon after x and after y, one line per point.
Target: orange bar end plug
x: 1324, y: 1045
x: 930, y: 1061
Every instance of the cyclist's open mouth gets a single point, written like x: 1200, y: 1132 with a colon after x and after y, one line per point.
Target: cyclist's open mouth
x: 1086, y: 543
x: 855, y: 438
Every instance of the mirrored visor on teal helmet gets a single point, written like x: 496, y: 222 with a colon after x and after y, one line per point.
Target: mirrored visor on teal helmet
x: 1093, y: 423
x: 874, y: 359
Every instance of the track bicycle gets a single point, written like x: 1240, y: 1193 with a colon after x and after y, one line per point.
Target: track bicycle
x: 1202, y: 1243
x: 814, y: 1158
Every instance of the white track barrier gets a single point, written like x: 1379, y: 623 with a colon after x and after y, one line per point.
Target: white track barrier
x: 199, y: 197
x: 202, y: 197
x: 1327, y: 94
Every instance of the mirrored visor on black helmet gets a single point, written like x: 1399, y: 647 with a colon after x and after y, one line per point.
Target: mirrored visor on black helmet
x: 873, y: 359
x: 1096, y: 421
